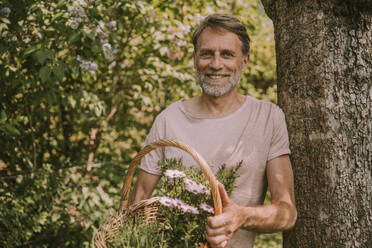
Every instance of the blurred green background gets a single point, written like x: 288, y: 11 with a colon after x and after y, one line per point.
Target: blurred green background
x: 81, y: 82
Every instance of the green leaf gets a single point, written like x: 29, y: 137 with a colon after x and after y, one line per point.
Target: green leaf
x: 60, y: 4
x: 57, y: 16
x: 5, y: 20
x: 11, y: 129
x: 45, y: 73
x: 59, y: 71
x: 91, y: 36
x: 3, y: 117
x: 3, y: 48
x: 41, y: 56
x: 3, y: 26
x: 50, y: 98
x: 74, y: 37
x: 30, y: 50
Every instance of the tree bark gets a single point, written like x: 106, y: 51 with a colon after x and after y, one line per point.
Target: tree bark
x: 324, y: 66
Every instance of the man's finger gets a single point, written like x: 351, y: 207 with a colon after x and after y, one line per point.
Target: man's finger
x: 224, y: 243
x: 217, y: 221
x: 217, y: 241
x: 215, y: 231
x: 224, y: 197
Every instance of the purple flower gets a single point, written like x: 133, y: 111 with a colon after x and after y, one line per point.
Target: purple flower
x: 167, y: 201
x: 195, y: 187
x: 189, y: 209
x: 207, y: 208
x: 174, y: 173
x: 176, y: 203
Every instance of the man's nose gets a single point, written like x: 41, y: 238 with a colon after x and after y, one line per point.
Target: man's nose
x: 216, y: 62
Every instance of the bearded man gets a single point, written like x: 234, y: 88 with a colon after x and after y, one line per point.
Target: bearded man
x: 226, y: 127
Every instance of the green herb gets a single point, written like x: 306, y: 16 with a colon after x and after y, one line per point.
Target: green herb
x: 185, y: 203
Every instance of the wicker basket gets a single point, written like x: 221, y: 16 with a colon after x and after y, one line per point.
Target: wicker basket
x: 147, y: 209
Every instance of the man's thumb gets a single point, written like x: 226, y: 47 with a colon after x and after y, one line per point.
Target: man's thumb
x: 224, y: 197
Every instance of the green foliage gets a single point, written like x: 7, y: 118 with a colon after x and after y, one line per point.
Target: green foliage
x: 139, y: 235
x: 82, y: 78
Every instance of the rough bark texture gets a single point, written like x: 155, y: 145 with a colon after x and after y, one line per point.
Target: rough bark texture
x: 324, y: 64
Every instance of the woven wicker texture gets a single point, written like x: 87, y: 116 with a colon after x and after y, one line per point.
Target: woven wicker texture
x: 147, y: 209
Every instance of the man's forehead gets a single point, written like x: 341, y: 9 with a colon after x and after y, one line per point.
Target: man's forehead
x: 218, y: 38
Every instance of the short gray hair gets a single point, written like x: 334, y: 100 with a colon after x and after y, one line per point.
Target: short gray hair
x: 224, y: 21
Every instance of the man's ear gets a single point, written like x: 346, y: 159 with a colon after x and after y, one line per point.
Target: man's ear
x: 245, y: 62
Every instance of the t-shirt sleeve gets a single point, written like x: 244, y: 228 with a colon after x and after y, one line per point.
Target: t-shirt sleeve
x: 149, y: 162
x: 279, y: 143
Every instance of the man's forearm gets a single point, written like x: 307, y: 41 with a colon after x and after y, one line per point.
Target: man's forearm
x: 144, y: 187
x: 269, y: 218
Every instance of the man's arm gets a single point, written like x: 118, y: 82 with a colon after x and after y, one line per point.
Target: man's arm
x: 144, y: 187
x: 280, y: 215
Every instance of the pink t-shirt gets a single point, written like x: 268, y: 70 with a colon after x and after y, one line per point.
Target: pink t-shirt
x: 254, y: 134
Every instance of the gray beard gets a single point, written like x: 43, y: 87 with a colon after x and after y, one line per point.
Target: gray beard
x: 216, y: 89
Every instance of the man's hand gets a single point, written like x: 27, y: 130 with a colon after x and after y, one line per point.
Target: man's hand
x: 221, y: 228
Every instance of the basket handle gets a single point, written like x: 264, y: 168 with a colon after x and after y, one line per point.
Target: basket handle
x: 178, y: 144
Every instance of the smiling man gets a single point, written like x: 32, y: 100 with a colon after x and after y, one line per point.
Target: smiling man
x: 219, y: 67
x: 227, y: 127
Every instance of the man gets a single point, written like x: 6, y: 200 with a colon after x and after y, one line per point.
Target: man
x: 227, y: 127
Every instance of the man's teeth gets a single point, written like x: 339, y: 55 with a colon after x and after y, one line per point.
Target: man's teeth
x: 216, y: 76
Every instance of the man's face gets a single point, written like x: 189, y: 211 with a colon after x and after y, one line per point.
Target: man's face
x: 219, y: 61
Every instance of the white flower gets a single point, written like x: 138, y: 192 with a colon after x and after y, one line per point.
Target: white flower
x: 101, y: 24
x: 74, y: 25
x: 207, y: 208
x: 93, y: 66
x: 185, y: 29
x: 195, y: 187
x: 107, y: 46
x: 108, y: 55
x: 198, y: 17
x: 5, y: 11
x: 77, y: 13
x: 87, y: 65
x: 78, y: 19
x: 27, y: 40
x: 112, y: 65
x: 112, y: 24
x: 82, y: 2
x: 174, y: 173
x: 181, y: 43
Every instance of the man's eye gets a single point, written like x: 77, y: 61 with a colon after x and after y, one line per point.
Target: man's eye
x: 205, y: 54
x: 227, y: 54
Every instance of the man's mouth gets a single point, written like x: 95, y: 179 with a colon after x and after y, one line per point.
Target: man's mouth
x: 216, y: 76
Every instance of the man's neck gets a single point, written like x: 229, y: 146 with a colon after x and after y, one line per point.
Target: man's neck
x: 206, y: 106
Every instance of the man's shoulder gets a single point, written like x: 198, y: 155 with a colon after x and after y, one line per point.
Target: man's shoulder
x: 262, y: 105
x: 173, y: 109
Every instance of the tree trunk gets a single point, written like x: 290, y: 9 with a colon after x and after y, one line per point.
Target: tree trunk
x: 324, y: 65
